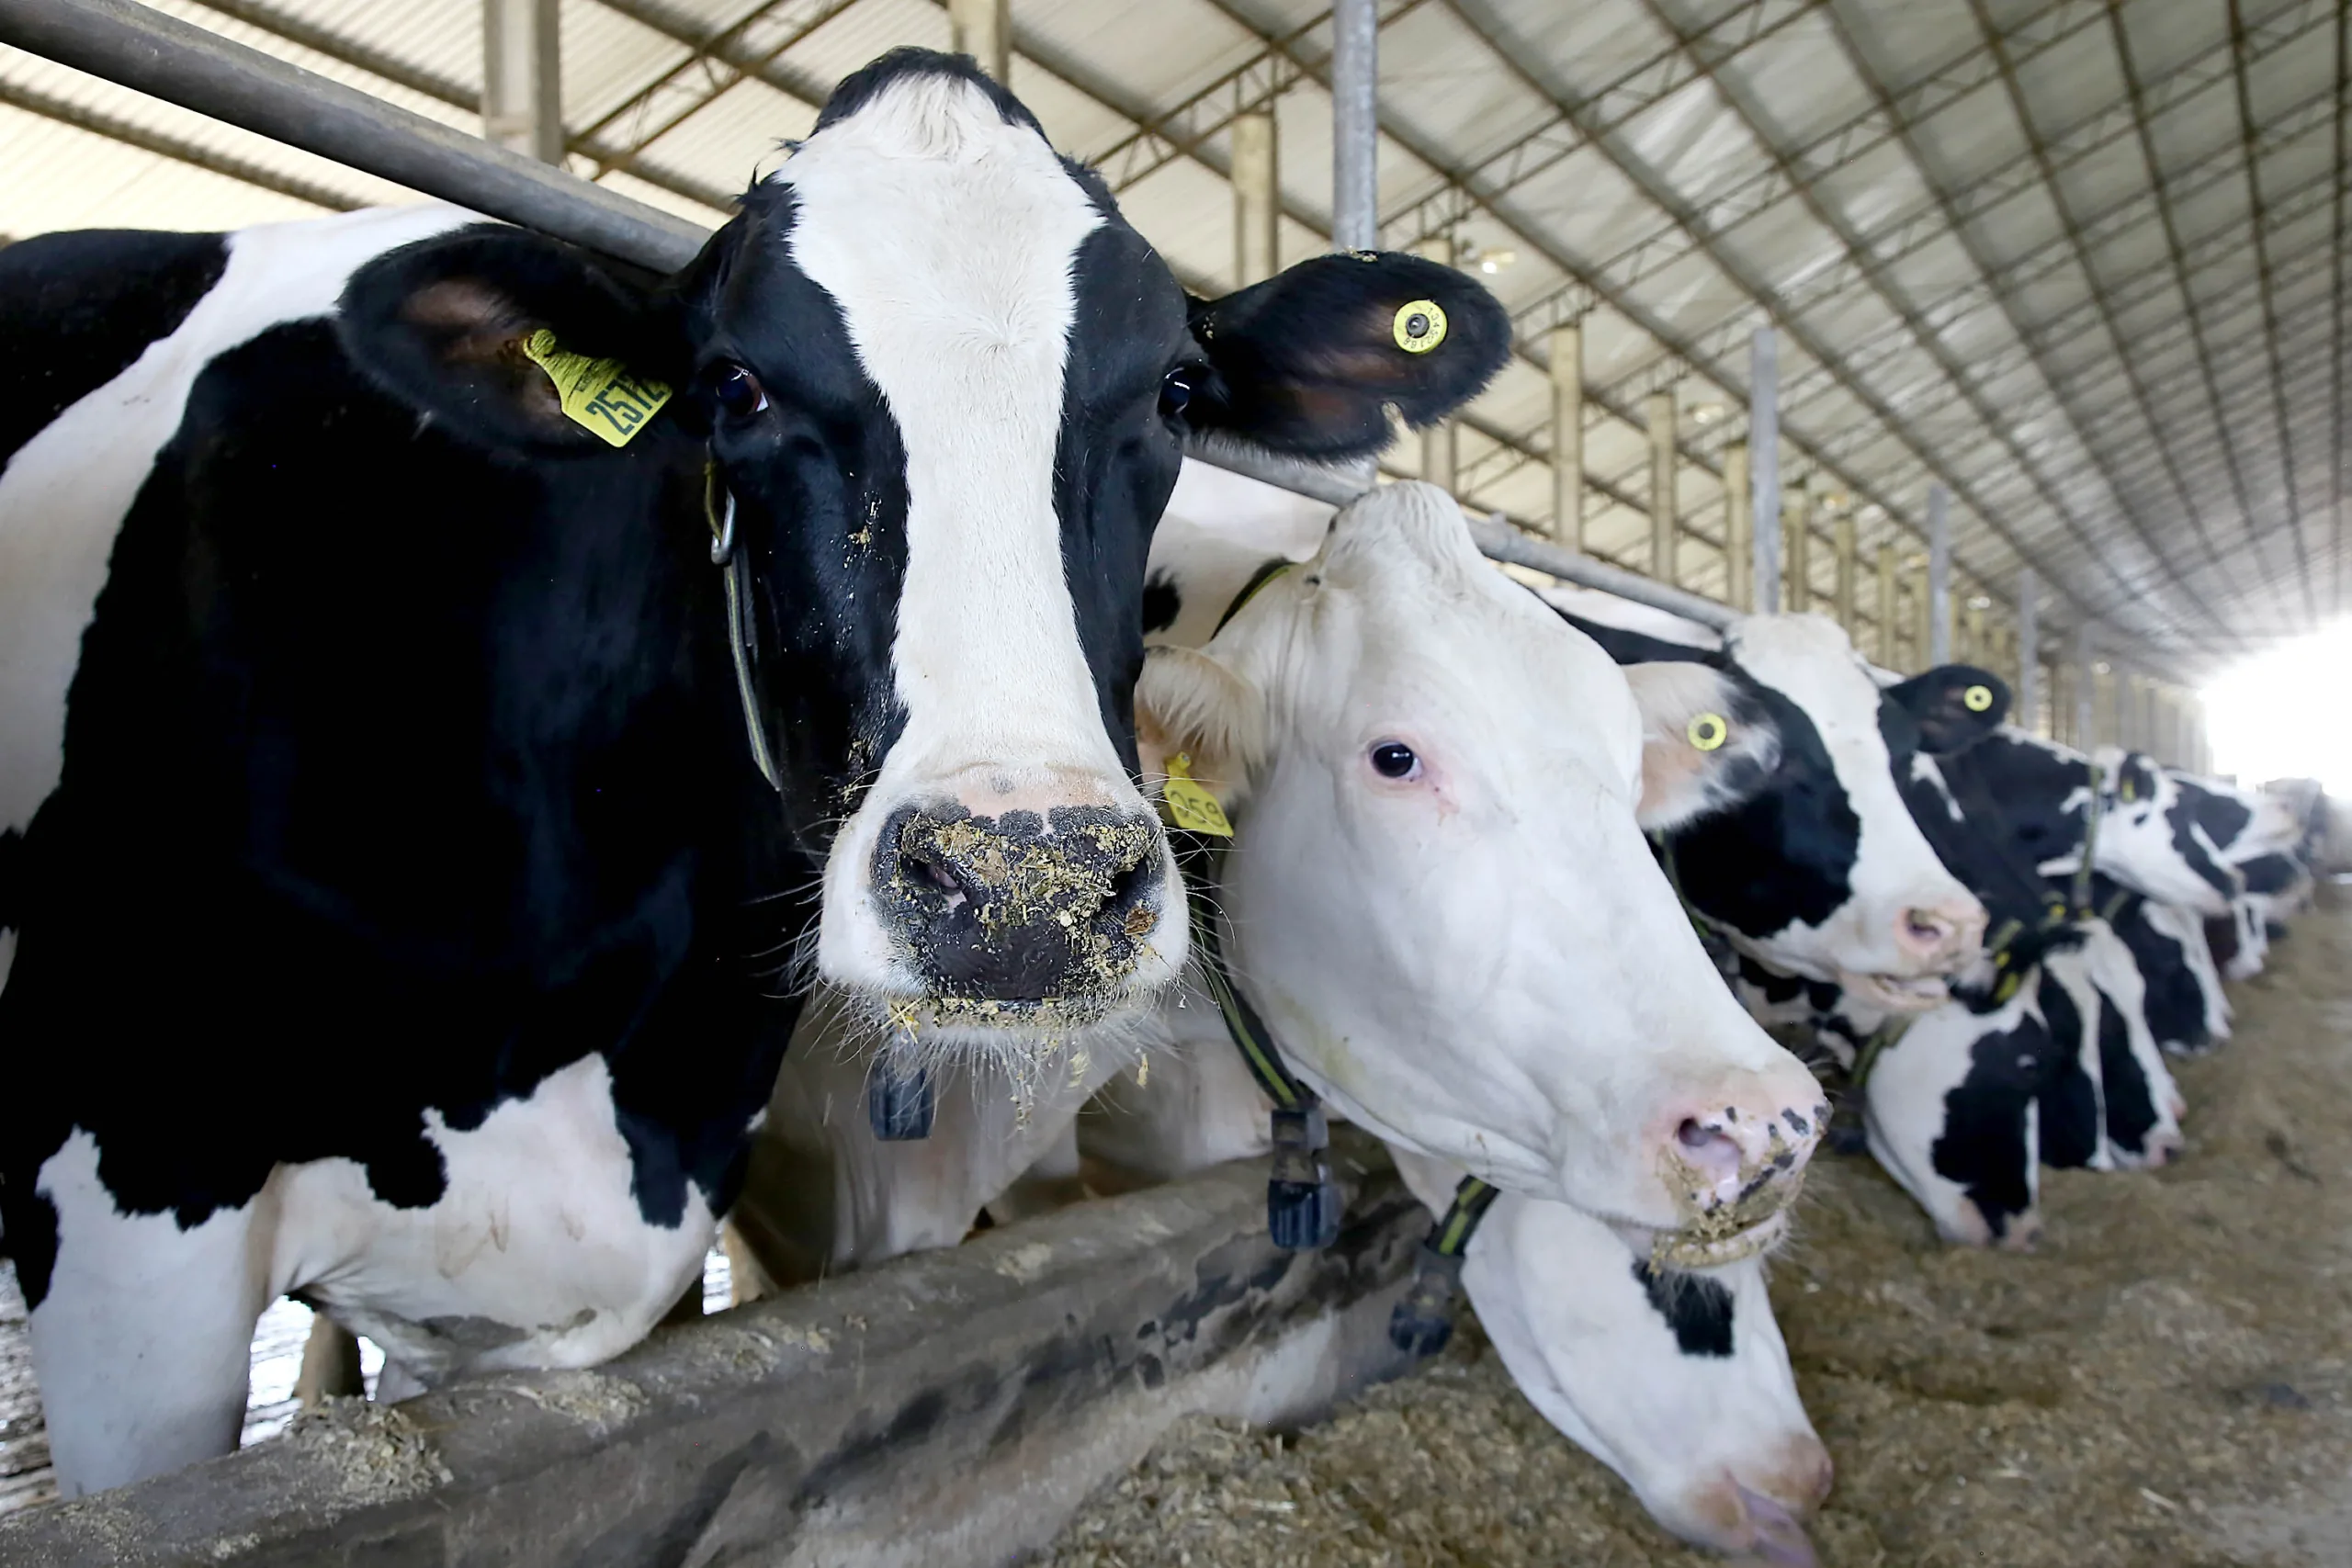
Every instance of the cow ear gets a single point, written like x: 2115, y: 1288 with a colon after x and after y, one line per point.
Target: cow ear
x: 1955, y: 706
x: 451, y: 325
x: 1705, y: 748
x: 1191, y: 705
x: 1308, y: 363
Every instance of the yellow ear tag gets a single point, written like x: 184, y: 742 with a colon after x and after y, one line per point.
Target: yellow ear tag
x: 1708, y: 731
x: 2006, y: 988
x: 1977, y: 699
x: 1421, y: 326
x: 2129, y: 792
x: 1189, y: 805
x: 599, y: 394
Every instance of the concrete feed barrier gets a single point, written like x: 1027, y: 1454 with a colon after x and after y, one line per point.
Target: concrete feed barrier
x: 950, y: 1408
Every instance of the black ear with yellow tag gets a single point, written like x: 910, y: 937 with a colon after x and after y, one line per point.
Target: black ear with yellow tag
x: 1955, y: 706
x: 1309, y: 362
x: 510, y: 339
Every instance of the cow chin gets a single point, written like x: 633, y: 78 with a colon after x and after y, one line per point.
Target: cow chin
x: 1707, y: 1244
x: 1903, y: 994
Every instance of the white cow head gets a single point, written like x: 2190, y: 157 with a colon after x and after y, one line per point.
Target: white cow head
x: 1678, y: 1382
x: 1441, y: 896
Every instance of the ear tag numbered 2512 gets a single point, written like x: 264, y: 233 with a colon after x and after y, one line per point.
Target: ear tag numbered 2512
x: 1190, y: 805
x: 597, y: 394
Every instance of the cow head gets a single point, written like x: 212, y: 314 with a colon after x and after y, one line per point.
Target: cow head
x: 1800, y: 846
x: 932, y: 393
x: 1441, y: 896
x: 1678, y: 1382
x: 2150, y: 839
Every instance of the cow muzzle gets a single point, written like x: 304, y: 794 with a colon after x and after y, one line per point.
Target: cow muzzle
x: 1732, y: 1171
x: 1022, y: 911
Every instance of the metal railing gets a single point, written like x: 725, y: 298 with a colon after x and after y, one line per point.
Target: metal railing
x: 181, y: 63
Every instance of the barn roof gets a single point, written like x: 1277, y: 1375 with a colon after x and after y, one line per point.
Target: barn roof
x: 2079, y: 262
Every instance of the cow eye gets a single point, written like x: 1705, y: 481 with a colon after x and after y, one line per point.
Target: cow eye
x: 1175, y: 391
x: 738, y: 392
x: 1394, y: 760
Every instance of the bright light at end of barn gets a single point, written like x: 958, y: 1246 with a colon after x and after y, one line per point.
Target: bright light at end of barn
x: 2278, y: 714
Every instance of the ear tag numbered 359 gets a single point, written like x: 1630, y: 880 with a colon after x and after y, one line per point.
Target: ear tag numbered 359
x: 1190, y: 805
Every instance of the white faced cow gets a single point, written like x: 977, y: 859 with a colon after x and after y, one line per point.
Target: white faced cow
x: 366, y: 703
x: 1440, y: 899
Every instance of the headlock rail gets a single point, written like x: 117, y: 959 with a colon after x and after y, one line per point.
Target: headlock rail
x: 168, y: 59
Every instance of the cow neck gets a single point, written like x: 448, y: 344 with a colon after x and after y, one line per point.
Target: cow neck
x: 1302, y: 1203
x: 2093, y: 809
x: 742, y: 634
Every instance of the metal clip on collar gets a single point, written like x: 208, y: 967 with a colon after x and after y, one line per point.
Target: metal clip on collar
x: 1302, y: 1201
x: 1422, y: 1320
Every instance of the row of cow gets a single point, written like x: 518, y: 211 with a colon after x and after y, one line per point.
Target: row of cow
x: 458, y: 698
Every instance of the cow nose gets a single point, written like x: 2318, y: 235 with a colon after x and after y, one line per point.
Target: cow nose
x: 1743, y: 1149
x: 1024, y: 906
x: 1941, y: 931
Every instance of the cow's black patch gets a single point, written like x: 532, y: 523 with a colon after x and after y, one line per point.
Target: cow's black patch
x: 77, y: 308
x: 2272, y: 873
x: 2068, y: 1095
x: 1698, y: 1309
x: 2223, y: 817
x: 1984, y: 1148
x: 2123, y: 1083
x: 2173, y: 999
x: 1777, y: 988
x: 1161, y: 603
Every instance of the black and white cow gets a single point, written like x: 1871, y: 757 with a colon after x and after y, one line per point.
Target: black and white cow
x: 365, y: 705
x: 1820, y: 871
x: 2147, y: 836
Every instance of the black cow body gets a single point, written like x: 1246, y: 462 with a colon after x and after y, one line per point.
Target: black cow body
x: 381, y: 717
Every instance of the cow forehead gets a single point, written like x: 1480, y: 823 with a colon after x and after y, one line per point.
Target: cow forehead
x: 934, y: 221
x: 1809, y: 660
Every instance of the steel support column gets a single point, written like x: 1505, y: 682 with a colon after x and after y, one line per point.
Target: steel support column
x: 1739, y: 550
x: 522, y: 77
x: 1939, y: 575
x: 2028, y: 692
x: 1797, y: 552
x: 1764, y: 463
x: 1355, y: 125
x: 1980, y: 650
x: 1889, y: 606
x: 983, y: 29
x: 1568, y: 438
x: 1664, y: 527
x: 2085, y: 687
x: 1842, y: 534
x: 1921, y: 639
x: 1257, y: 200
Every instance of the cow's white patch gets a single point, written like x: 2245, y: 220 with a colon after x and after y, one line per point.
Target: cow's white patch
x: 1924, y: 771
x: 65, y: 492
x: 536, y: 1254
x: 140, y: 1344
x: 948, y: 238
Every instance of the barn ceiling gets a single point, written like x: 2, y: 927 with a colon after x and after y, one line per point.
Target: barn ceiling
x: 2081, y: 263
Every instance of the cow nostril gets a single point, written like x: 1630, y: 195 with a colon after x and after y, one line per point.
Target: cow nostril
x: 1710, y: 1150
x: 1925, y: 930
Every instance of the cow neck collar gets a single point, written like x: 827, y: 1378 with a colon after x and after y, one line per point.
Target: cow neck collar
x: 742, y: 630
x: 1422, y: 1320
x: 1302, y: 1201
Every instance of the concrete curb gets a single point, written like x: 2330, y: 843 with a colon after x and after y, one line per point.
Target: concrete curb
x: 947, y: 1409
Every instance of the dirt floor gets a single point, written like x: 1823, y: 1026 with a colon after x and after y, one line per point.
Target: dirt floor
x: 2167, y: 1382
